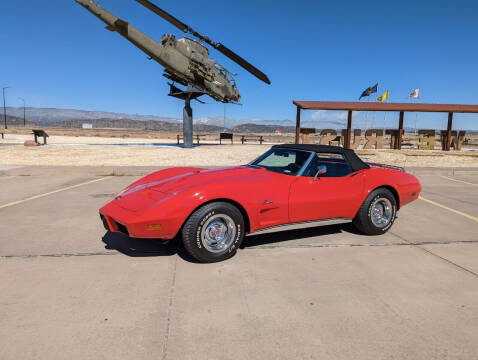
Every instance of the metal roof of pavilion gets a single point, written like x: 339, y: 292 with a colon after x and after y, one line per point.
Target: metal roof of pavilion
x: 375, y: 106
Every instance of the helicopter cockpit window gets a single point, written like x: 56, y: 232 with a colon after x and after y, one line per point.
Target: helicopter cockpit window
x: 220, y: 70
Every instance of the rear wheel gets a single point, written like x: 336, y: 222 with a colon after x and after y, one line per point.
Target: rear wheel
x: 377, y: 213
x: 213, y: 232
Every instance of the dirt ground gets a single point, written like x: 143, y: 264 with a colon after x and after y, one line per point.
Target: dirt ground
x: 127, y: 151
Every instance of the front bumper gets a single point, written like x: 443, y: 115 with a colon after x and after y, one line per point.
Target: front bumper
x: 138, y: 224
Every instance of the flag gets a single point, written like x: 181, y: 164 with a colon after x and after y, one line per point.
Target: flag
x: 415, y: 93
x: 383, y: 97
x: 369, y: 91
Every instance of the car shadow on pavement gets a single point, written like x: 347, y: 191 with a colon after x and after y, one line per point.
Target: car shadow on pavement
x: 275, y: 238
x: 135, y: 247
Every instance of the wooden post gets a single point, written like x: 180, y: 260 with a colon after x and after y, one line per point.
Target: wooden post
x: 400, y: 131
x: 348, y: 135
x: 297, y: 126
x: 448, y: 134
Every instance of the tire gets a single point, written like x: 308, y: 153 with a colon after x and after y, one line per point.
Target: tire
x: 213, y: 232
x: 377, y: 213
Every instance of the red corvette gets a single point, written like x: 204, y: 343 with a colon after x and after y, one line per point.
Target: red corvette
x: 289, y: 184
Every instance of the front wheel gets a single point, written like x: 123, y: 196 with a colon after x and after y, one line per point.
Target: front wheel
x: 213, y: 232
x: 377, y: 213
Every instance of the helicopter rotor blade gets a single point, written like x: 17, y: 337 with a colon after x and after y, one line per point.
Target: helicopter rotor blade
x: 242, y: 62
x: 218, y: 46
x: 166, y: 16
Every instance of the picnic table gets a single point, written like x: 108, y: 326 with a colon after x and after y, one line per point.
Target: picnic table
x: 245, y: 138
x: 197, y: 136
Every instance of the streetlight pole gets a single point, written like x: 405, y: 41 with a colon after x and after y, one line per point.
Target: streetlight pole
x: 5, y: 107
x: 24, y: 112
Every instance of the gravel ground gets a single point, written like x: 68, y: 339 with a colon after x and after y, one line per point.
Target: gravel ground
x: 95, y: 151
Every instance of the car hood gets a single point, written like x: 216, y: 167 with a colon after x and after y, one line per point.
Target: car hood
x: 172, y: 181
x: 174, y: 184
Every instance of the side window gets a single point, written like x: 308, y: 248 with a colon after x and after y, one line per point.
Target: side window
x: 336, y: 164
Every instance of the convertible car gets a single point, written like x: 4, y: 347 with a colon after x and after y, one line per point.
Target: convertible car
x: 213, y: 209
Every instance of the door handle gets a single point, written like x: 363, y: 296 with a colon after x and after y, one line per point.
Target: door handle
x: 267, y: 202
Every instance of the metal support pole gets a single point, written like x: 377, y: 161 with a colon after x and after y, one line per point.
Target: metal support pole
x: 297, y: 126
x: 24, y: 112
x: 348, y: 135
x: 5, y: 107
x: 448, y: 134
x: 400, y: 131
x: 188, y: 123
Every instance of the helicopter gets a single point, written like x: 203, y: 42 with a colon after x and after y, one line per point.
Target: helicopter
x: 185, y: 61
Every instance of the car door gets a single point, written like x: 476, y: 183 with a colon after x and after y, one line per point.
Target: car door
x: 335, y: 194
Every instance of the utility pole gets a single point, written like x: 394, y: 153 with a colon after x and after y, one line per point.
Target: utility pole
x: 5, y: 107
x: 24, y: 112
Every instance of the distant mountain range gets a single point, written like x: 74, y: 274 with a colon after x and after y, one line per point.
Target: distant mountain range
x: 49, y: 116
x: 52, y: 115
x: 101, y: 119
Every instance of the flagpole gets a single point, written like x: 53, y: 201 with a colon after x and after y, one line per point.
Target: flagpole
x: 416, y: 118
x: 366, y: 115
x: 374, y: 113
x: 373, y: 120
x: 385, y: 117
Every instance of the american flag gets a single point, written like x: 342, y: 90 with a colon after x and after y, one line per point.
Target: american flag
x: 415, y: 94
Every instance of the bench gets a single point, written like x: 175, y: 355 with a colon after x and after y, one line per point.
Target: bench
x: 245, y: 138
x: 225, y: 136
x: 40, y: 133
x: 198, y: 137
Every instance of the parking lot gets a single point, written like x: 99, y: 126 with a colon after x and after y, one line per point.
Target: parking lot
x: 71, y: 290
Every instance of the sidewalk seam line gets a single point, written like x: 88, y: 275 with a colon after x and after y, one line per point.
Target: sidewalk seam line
x: 435, y: 255
x: 170, y: 305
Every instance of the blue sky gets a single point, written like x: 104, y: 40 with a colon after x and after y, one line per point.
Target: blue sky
x: 56, y: 54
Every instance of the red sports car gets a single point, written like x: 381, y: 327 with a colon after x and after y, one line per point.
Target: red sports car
x: 288, y: 185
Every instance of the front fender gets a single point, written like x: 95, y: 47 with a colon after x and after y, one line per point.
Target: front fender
x: 173, y: 212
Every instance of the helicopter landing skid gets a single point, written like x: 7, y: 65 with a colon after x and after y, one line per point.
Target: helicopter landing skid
x: 191, y: 93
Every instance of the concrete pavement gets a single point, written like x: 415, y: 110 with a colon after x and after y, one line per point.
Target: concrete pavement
x: 71, y: 291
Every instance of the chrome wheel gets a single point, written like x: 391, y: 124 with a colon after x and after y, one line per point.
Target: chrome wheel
x: 382, y: 212
x: 218, y: 233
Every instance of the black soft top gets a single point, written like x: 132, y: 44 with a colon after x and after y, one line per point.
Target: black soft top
x: 355, y: 162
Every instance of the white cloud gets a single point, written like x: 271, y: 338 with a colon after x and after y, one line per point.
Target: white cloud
x: 329, y: 115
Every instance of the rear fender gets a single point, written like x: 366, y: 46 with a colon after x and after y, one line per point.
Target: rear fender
x: 404, y: 186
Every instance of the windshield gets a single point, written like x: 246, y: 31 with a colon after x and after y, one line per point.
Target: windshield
x: 283, y: 161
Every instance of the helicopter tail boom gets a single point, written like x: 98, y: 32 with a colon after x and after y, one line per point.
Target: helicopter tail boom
x: 145, y: 43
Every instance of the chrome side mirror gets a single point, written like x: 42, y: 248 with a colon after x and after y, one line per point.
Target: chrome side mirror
x: 321, y: 170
